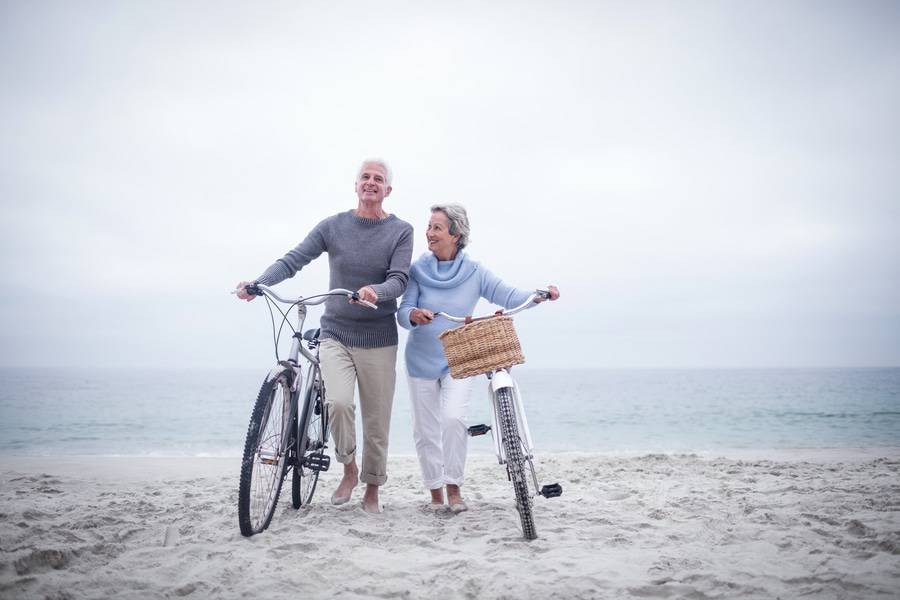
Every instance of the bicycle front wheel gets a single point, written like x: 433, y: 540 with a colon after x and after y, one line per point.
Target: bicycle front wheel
x: 515, y: 460
x: 313, y: 439
x: 265, y: 454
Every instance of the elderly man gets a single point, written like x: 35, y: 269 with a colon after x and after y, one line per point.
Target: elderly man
x: 368, y: 250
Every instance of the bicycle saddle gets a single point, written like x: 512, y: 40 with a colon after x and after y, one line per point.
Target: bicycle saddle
x: 311, y: 335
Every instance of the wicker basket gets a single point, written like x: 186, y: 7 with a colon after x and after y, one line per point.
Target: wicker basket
x: 482, y: 346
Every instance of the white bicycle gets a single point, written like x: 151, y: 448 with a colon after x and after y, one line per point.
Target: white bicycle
x: 512, y: 438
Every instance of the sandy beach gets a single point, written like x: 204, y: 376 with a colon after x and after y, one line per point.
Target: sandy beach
x: 824, y: 525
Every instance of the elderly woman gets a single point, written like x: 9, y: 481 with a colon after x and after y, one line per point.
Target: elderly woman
x: 444, y: 279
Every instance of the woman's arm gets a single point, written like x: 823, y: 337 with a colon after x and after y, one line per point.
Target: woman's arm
x: 495, y: 291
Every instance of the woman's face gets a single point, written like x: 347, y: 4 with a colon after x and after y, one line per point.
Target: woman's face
x: 440, y: 242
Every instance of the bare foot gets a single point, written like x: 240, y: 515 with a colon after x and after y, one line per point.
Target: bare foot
x: 345, y: 488
x: 437, y: 497
x: 455, y: 499
x: 370, y: 499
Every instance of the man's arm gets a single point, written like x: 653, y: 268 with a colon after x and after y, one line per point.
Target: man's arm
x: 398, y: 272
x: 288, y: 266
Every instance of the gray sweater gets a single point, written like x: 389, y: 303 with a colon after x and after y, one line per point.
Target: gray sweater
x: 374, y: 252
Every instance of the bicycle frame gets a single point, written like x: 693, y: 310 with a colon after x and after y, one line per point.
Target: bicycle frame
x: 298, y: 391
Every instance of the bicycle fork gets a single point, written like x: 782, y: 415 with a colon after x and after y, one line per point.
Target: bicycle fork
x: 499, y: 380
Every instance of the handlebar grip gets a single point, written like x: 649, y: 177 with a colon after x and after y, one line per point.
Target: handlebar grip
x: 253, y: 290
x: 355, y: 297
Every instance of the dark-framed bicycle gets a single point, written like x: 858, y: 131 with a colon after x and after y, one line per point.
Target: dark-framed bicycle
x: 288, y: 429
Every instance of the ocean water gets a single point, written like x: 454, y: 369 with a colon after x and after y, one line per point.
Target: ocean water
x: 46, y: 412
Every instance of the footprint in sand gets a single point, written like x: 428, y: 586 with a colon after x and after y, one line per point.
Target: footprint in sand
x: 41, y: 560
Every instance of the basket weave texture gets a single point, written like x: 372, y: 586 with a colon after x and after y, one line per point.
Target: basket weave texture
x: 481, y: 346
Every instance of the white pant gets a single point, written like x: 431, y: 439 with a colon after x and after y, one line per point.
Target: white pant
x: 439, y: 409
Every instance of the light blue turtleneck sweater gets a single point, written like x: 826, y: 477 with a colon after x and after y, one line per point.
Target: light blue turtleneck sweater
x: 454, y: 287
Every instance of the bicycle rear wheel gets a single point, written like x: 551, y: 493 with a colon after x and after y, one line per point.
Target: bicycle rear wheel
x: 312, y: 444
x: 515, y: 460
x: 265, y: 454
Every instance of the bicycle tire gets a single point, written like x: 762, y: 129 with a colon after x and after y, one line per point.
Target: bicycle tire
x: 312, y: 441
x: 264, y: 461
x: 515, y: 461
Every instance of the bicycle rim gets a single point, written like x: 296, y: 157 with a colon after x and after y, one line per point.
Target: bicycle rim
x: 265, y: 455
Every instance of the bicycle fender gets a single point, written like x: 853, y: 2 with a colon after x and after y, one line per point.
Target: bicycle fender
x: 500, y: 380
x: 278, y: 369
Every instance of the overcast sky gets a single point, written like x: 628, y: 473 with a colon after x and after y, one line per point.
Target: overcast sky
x: 710, y: 184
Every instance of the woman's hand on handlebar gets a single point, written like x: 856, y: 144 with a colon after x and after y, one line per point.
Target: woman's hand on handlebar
x: 552, y: 294
x: 241, y: 290
x: 421, y: 316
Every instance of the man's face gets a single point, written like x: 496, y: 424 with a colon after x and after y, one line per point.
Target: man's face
x: 371, y: 186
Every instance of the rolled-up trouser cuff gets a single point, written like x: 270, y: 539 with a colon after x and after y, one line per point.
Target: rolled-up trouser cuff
x: 436, y: 484
x: 345, y: 459
x: 373, y: 479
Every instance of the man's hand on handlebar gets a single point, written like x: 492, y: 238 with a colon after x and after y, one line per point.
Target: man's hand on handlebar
x: 241, y: 290
x: 365, y: 296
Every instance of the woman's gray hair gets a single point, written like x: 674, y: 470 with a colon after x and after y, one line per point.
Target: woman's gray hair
x: 388, y: 173
x: 459, y: 221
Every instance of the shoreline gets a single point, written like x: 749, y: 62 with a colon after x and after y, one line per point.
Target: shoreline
x: 138, y: 466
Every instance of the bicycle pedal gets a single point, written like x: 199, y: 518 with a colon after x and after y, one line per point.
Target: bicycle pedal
x: 478, y: 430
x: 552, y: 490
x: 317, y: 462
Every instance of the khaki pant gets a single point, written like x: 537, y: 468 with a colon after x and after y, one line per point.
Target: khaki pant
x: 374, y: 371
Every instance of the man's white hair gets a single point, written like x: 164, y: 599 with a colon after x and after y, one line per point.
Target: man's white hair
x: 388, y: 173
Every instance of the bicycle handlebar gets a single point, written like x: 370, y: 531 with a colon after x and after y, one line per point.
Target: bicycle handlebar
x: 532, y: 298
x: 260, y: 289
